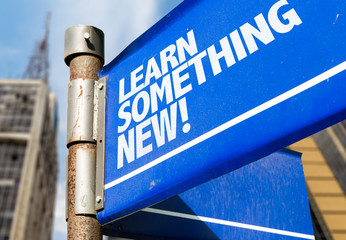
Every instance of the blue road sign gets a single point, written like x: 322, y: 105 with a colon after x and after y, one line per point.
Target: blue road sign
x: 266, y: 199
x: 214, y: 86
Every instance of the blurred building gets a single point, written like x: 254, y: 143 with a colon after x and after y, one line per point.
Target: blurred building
x: 28, y: 159
x: 324, y: 162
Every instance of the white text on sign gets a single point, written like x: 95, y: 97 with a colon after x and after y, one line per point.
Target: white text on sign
x: 176, y: 82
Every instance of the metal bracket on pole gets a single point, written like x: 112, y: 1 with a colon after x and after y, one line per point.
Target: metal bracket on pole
x: 85, y: 181
x: 100, y: 93
x: 80, y: 129
x: 80, y: 110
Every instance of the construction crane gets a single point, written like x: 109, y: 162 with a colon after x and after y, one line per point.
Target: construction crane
x: 38, y: 66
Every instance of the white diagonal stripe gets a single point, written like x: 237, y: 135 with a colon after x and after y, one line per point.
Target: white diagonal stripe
x: 228, y: 223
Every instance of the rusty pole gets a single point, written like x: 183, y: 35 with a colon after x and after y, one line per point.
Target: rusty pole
x: 84, y: 54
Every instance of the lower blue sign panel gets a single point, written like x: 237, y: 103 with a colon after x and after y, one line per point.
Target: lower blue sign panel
x: 266, y: 199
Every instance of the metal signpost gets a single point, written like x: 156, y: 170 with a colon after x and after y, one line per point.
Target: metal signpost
x: 211, y: 88
x: 84, y: 54
x: 266, y: 199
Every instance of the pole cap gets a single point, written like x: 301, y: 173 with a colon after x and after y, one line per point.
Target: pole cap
x: 83, y: 39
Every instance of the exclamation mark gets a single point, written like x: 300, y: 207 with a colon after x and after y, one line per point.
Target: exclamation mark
x: 184, y: 115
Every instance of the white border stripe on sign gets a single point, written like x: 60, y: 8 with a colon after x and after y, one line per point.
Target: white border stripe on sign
x: 228, y: 223
x: 287, y: 95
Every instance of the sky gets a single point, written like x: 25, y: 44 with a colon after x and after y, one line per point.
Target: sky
x: 22, y: 26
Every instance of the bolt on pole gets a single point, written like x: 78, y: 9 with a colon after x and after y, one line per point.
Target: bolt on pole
x: 84, y: 54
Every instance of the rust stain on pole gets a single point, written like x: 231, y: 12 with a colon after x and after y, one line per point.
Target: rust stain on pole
x: 84, y: 67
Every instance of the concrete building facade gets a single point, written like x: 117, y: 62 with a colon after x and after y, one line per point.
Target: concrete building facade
x: 324, y: 163
x: 28, y: 159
